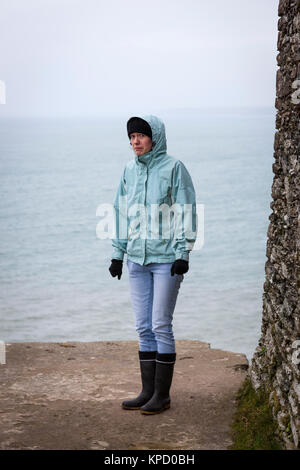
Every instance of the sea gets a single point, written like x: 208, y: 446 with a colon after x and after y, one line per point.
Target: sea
x: 55, y: 172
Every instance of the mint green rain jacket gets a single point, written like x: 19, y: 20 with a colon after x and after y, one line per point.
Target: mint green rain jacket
x: 154, y: 180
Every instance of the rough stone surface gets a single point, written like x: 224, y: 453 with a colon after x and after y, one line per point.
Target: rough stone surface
x: 275, y: 364
x: 68, y: 396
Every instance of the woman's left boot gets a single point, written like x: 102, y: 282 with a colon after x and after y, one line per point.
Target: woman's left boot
x: 160, y: 400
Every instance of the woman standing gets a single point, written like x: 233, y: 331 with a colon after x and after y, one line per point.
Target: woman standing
x: 152, y: 183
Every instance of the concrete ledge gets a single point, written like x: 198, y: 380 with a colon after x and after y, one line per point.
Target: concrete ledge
x: 2, y: 352
x: 68, y: 396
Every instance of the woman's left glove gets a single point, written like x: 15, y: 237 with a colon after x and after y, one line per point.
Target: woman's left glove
x: 115, y: 268
x: 180, y: 266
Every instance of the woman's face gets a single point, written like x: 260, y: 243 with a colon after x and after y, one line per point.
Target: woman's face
x: 141, y: 143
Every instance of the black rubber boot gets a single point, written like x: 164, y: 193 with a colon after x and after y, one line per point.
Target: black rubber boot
x: 160, y: 400
x: 147, y: 366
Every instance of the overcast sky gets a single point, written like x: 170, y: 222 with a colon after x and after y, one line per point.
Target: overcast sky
x: 93, y: 57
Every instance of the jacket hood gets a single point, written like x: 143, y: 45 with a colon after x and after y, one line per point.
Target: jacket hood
x: 158, y: 133
x: 158, y: 138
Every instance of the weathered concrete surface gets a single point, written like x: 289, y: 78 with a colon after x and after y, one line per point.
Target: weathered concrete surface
x: 68, y: 396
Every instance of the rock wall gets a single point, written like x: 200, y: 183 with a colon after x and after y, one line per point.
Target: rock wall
x: 276, y: 361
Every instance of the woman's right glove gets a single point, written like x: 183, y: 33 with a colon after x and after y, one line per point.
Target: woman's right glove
x: 115, y: 268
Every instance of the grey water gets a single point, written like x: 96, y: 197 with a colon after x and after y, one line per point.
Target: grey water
x: 54, y: 278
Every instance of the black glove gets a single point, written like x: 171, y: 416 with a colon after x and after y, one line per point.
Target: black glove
x: 115, y: 268
x: 180, y: 266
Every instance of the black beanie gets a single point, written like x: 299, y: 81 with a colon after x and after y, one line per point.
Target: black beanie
x: 136, y: 124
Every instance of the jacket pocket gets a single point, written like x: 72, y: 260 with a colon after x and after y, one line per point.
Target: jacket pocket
x: 134, y: 246
x: 164, y: 190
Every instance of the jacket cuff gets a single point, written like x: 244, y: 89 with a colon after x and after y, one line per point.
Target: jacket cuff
x: 118, y: 254
x: 183, y: 255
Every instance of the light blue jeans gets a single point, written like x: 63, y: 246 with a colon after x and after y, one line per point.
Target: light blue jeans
x: 153, y: 295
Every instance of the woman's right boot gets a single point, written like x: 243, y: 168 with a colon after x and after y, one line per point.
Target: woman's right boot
x: 147, y: 367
